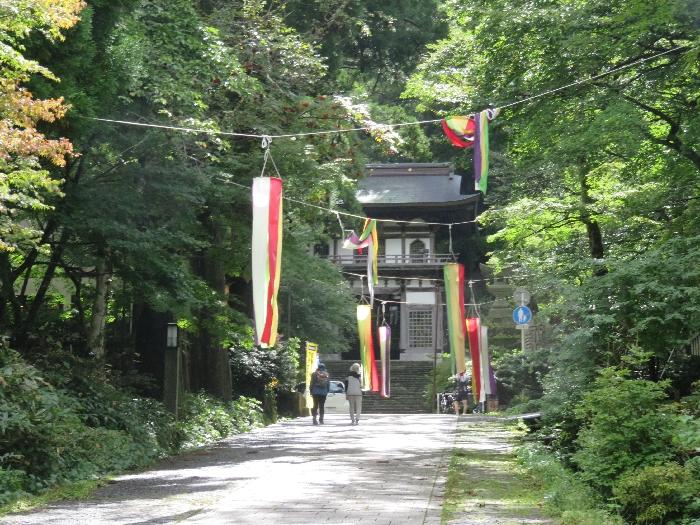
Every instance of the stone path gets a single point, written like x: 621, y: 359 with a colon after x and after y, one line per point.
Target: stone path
x: 388, y: 470
x: 486, y: 488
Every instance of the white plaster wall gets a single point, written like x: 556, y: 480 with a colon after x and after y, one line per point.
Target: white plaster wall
x: 420, y: 297
x: 392, y: 247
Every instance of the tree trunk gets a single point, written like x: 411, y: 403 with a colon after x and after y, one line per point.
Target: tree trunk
x: 7, y: 295
x: 211, y: 369
x: 595, y: 236
x: 96, y: 333
x: 22, y: 335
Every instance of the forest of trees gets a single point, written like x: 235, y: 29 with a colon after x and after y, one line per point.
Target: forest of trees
x: 109, y: 232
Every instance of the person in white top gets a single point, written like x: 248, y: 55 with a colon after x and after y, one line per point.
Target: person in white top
x: 353, y: 393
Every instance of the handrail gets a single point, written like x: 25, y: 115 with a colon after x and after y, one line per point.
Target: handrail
x: 416, y: 259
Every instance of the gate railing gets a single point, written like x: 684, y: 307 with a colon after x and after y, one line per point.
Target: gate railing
x: 416, y: 259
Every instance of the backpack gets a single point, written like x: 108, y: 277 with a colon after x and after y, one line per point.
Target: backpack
x: 321, y: 379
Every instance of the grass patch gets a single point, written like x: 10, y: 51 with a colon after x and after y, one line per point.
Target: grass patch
x: 78, y: 490
x: 566, y: 496
x: 484, y: 479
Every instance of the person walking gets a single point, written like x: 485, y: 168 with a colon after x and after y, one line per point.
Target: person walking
x: 320, y: 386
x: 353, y: 393
x: 463, y: 392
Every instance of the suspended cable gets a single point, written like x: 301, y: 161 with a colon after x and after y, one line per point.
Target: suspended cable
x: 440, y: 304
x: 590, y: 79
x: 382, y: 125
x: 419, y: 278
x: 347, y: 214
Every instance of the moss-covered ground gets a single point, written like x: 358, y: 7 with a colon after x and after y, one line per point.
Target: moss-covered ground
x: 484, y: 484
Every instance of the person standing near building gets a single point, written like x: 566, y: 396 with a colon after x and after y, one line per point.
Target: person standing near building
x: 353, y: 393
x: 320, y: 386
x: 463, y: 392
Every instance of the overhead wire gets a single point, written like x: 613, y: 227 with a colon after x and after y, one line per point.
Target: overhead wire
x: 419, y: 278
x: 377, y: 126
x: 348, y: 214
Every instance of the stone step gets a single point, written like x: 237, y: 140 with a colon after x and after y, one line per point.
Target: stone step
x: 409, y: 380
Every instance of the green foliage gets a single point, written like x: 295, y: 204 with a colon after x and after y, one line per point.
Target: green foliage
x: 566, y: 496
x: 440, y: 380
x: 205, y: 420
x: 655, y: 494
x: 519, y: 375
x: 254, y: 367
x: 625, y: 428
x: 316, y: 302
x: 79, y: 426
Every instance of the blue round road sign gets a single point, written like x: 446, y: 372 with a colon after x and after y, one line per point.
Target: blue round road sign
x: 522, y: 315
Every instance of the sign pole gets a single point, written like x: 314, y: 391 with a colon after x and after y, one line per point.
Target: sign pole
x: 522, y: 315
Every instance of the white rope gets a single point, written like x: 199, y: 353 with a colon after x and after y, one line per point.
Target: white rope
x: 379, y: 126
x: 439, y: 304
x: 595, y: 77
x: 419, y: 278
x: 347, y: 214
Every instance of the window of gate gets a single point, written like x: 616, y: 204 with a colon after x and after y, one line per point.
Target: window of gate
x: 420, y: 328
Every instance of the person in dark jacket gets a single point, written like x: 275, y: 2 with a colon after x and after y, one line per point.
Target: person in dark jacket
x: 353, y: 393
x: 320, y: 386
x: 463, y: 392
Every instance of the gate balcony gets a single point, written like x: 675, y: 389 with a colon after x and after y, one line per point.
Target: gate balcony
x: 410, y: 260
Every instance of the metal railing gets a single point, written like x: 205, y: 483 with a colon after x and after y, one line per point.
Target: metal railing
x: 408, y: 259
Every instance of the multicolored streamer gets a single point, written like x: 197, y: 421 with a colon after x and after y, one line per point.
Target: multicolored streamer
x: 474, y: 334
x: 460, y: 129
x: 266, y: 256
x: 311, y: 365
x: 370, y: 377
x: 485, y: 365
x: 454, y: 297
x: 368, y: 239
x: 385, y: 359
x: 481, y: 151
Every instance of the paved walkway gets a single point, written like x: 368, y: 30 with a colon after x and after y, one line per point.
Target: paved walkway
x: 388, y: 470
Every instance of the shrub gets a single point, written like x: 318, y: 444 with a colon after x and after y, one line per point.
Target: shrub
x: 654, y: 494
x: 254, y: 369
x: 443, y: 380
x: 85, y: 427
x: 626, y: 427
x: 204, y: 420
x: 38, y: 427
x: 566, y: 496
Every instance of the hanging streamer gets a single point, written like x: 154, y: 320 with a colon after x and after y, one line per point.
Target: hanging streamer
x: 385, y: 359
x: 474, y: 334
x: 460, y: 129
x: 454, y: 298
x: 266, y: 256
x: 485, y: 365
x: 368, y: 239
x: 311, y: 365
x: 481, y: 150
x: 370, y: 377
